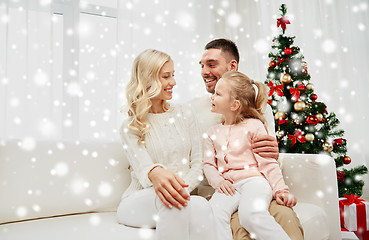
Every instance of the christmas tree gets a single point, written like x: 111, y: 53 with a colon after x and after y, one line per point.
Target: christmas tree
x: 303, y: 124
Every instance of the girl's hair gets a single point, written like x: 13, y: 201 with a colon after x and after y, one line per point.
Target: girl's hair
x: 242, y: 89
x: 142, y: 87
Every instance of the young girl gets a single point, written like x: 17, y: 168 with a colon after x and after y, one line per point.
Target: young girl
x: 243, y: 180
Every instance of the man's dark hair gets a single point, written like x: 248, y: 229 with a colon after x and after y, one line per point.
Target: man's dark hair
x: 225, y: 45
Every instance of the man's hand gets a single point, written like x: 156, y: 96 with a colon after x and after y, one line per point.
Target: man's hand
x: 286, y: 199
x: 169, y: 187
x: 266, y: 146
x: 226, y: 187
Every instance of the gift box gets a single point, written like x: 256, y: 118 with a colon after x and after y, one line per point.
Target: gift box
x: 354, y: 213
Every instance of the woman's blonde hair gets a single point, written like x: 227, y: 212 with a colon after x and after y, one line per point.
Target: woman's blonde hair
x: 242, y: 89
x: 142, y: 87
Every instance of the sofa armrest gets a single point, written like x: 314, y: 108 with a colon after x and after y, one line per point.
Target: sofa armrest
x: 312, y: 179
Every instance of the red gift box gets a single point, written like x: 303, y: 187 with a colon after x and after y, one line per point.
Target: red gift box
x: 354, y: 213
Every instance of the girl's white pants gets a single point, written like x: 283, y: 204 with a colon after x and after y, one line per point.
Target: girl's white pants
x: 252, y: 199
x: 144, y: 209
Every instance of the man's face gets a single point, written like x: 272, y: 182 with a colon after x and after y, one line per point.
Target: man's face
x: 213, y: 65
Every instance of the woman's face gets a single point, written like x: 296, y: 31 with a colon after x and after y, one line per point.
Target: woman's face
x: 166, y: 77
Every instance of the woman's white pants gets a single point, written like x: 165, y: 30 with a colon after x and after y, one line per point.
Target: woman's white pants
x: 252, y: 199
x: 145, y: 209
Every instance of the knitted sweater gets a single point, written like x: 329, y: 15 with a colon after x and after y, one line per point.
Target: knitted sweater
x: 173, y: 142
x: 228, y: 155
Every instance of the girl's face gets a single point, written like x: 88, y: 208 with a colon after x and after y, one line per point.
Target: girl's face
x: 221, y: 100
x: 166, y: 77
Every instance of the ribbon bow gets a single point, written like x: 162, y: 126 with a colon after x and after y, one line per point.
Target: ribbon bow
x: 339, y: 141
x: 296, y: 92
x: 298, y: 136
x: 350, y: 199
x: 282, y: 22
x: 278, y: 89
x: 281, y: 60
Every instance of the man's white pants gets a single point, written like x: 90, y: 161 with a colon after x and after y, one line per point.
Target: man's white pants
x: 252, y: 199
x: 145, y: 209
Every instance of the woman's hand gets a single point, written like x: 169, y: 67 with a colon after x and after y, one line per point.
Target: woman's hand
x: 286, y: 199
x: 266, y: 146
x: 169, y: 187
x: 226, y: 187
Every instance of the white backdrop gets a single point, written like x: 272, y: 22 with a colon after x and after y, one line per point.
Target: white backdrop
x: 65, y: 79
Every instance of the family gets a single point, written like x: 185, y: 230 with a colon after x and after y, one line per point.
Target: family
x: 170, y: 154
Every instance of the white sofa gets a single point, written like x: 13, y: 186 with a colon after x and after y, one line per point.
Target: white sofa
x: 70, y: 190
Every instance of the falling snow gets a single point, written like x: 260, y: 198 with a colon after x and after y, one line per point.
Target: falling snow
x: 67, y: 82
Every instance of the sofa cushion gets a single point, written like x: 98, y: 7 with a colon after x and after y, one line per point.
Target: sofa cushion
x: 56, y: 178
x: 91, y: 226
x: 312, y: 218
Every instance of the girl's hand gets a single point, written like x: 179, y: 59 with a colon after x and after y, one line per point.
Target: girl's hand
x: 226, y: 187
x: 169, y: 187
x: 286, y: 199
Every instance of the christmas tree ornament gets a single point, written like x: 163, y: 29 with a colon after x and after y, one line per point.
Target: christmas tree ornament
x: 312, y: 120
x: 299, y: 106
x: 314, y: 97
x: 279, y: 115
x: 304, y: 67
x: 327, y: 146
x: 341, y: 176
x: 309, y: 137
x: 346, y: 160
x: 310, y: 86
x: 288, y: 51
x: 279, y: 133
x: 339, y: 142
x: 278, y: 89
x: 320, y: 117
x: 298, y: 136
x: 297, y: 121
x: 285, y: 78
x: 272, y: 64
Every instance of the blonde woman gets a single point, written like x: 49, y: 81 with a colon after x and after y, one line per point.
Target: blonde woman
x: 164, y: 151
x: 243, y: 180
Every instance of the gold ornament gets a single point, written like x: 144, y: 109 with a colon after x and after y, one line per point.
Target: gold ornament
x: 297, y: 121
x: 279, y: 115
x: 309, y: 137
x: 327, y: 146
x: 319, y: 116
x: 279, y: 133
x: 285, y: 78
x: 299, y: 106
x: 310, y: 86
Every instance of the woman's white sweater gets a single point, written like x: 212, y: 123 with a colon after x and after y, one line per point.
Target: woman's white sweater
x: 173, y: 142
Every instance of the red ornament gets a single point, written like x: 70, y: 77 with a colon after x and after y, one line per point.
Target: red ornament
x: 312, y: 120
x: 282, y: 121
x: 272, y: 64
x: 346, y: 160
x: 341, y: 176
x: 314, y: 97
x: 288, y: 51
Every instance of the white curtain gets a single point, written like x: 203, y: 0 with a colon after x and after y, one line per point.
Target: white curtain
x: 26, y: 70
